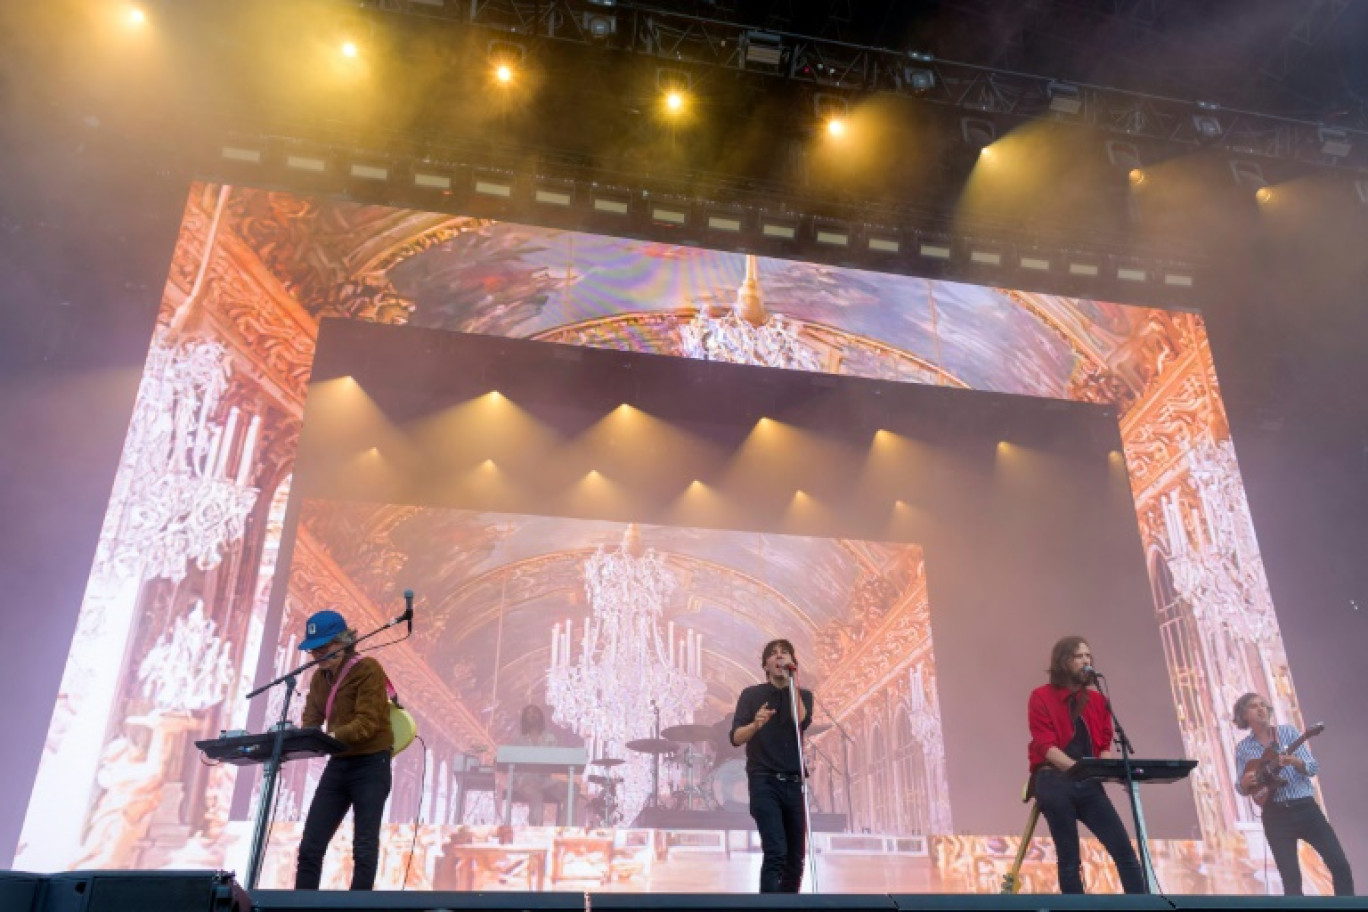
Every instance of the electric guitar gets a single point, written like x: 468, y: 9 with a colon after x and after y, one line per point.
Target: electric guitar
x: 1268, y: 773
x: 1011, y: 881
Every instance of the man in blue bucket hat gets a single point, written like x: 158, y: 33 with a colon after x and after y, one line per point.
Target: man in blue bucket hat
x: 347, y: 698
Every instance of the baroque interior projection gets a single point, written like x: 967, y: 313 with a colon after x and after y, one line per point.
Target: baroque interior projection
x: 187, y: 550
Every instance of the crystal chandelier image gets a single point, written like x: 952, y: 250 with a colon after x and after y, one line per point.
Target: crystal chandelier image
x: 609, y: 680
x: 748, y: 333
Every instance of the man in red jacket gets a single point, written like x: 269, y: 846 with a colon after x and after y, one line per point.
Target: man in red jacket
x: 1069, y: 720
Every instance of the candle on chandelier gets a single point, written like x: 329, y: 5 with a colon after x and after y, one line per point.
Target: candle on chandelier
x: 555, y: 644
x: 248, y: 450
x: 229, y: 433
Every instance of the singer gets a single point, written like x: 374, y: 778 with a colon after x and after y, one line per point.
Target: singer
x: 1069, y: 720
x: 1293, y: 813
x: 348, y: 696
x: 764, y: 724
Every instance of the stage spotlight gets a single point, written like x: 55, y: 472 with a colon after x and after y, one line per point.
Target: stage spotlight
x: 1137, y: 177
x: 503, y: 73
x: 836, y: 127
x: 1247, y: 174
x: 1064, y: 98
x: 349, y: 49
x: 1124, y: 155
x: 977, y: 131
x: 1208, y: 127
x: 135, y: 16
x: 833, y: 110
x: 505, y: 59
x: 1264, y: 195
x: 674, y: 102
x: 1334, y: 143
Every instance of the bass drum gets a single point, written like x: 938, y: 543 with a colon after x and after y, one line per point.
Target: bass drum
x: 729, y: 786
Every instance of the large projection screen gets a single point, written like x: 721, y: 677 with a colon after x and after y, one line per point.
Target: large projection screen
x: 195, y: 588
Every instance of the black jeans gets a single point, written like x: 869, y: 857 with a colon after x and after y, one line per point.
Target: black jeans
x: 1064, y: 805
x: 1288, y: 822
x: 360, y: 784
x: 777, y: 808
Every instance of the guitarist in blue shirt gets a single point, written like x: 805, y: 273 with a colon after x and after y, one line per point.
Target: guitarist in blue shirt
x: 1275, y: 768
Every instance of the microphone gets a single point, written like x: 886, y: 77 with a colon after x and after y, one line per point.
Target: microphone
x: 1091, y: 672
x: 408, y: 609
x: 791, y: 667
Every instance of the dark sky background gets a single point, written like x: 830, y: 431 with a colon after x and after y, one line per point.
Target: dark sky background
x: 87, y: 223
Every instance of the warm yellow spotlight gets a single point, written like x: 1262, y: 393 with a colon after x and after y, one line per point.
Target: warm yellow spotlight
x: 836, y: 127
x: 349, y: 49
x: 986, y: 152
x: 136, y: 16
x: 1137, y: 177
x: 674, y: 101
x: 503, y: 73
x: 1263, y: 195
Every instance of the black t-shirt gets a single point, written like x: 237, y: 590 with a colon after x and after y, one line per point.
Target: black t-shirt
x: 774, y: 747
x: 1081, y: 744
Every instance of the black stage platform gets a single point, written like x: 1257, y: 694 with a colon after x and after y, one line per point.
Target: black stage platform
x: 216, y: 891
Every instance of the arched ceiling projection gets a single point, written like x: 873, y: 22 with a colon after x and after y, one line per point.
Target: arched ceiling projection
x: 498, y: 278
x: 494, y: 584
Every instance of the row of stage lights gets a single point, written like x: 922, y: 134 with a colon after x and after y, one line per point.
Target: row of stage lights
x: 719, y: 221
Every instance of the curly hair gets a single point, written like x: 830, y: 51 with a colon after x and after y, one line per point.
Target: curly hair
x: 1237, y: 713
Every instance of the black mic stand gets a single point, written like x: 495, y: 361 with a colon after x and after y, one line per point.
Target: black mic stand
x: 271, y: 768
x: 1132, y: 789
x: 846, y: 741
x: 794, y: 697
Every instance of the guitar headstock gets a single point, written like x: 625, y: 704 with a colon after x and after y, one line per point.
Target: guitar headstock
x: 1315, y: 730
x: 1011, y: 884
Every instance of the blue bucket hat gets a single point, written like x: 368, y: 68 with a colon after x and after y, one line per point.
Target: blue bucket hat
x: 322, y: 629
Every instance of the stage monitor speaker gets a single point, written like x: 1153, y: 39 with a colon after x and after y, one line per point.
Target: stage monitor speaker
x: 143, y: 891
x: 19, y: 891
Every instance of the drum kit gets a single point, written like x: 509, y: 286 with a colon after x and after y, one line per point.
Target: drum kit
x: 704, y: 772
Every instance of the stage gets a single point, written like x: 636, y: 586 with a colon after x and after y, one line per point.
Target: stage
x: 218, y: 891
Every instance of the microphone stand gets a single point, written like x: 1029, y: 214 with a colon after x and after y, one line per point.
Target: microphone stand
x: 846, y: 741
x: 794, y: 697
x: 1132, y: 788
x: 271, y: 768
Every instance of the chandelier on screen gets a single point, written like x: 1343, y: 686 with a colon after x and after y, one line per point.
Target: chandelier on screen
x: 625, y: 668
x: 748, y: 333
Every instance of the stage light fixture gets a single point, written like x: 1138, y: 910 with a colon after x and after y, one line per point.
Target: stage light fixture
x: 917, y: 80
x: 977, y: 131
x: 1178, y: 280
x: 241, y: 154
x: 494, y: 185
x: 721, y: 221
x: 985, y: 257
x: 135, y: 16
x: 1131, y: 274
x: 505, y: 59
x: 1064, y: 98
x: 306, y: 163
x: 1264, y: 195
x: 934, y: 250
x: 832, y: 110
x: 1136, y: 177
x: 1247, y: 174
x: 503, y: 73
x: 611, y: 203
x: 674, y: 101
x: 764, y: 48
x: 429, y: 181
x: 1207, y: 126
x: 1034, y: 263
x: 782, y: 228
x: 835, y: 127
x: 369, y: 172
x: 883, y: 243
x: 350, y: 50
x: 1083, y: 269
x: 833, y: 236
x: 1124, y: 155
x: 1334, y: 143
x: 554, y: 194
x: 669, y: 215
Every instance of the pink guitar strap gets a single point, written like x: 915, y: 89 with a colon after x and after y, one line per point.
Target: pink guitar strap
x: 341, y: 674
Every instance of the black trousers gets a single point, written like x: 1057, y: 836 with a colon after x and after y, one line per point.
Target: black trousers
x: 777, y: 808
x: 1286, y: 823
x: 1064, y: 805
x: 361, y: 785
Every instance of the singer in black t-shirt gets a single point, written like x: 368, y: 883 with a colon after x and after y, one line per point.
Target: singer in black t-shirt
x: 764, y: 724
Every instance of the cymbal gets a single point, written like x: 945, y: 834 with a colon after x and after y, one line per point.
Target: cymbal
x: 816, y: 728
x: 688, y: 733
x: 652, y: 746
x: 607, y: 761
x: 608, y: 781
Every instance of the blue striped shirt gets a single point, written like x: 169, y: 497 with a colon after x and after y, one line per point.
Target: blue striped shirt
x: 1298, y: 783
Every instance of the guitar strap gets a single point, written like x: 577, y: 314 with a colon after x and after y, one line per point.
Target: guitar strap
x: 341, y: 674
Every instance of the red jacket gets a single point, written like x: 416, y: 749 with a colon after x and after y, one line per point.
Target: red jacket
x: 1051, y: 726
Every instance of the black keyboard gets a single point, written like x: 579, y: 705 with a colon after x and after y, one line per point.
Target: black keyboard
x: 247, y: 750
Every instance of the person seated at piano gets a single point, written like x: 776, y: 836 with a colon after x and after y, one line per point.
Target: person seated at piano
x: 347, y: 698
x: 1069, y: 720
x: 1291, y: 814
x: 536, y: 788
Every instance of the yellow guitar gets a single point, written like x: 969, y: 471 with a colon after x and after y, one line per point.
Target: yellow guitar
x: 1011, y: 881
